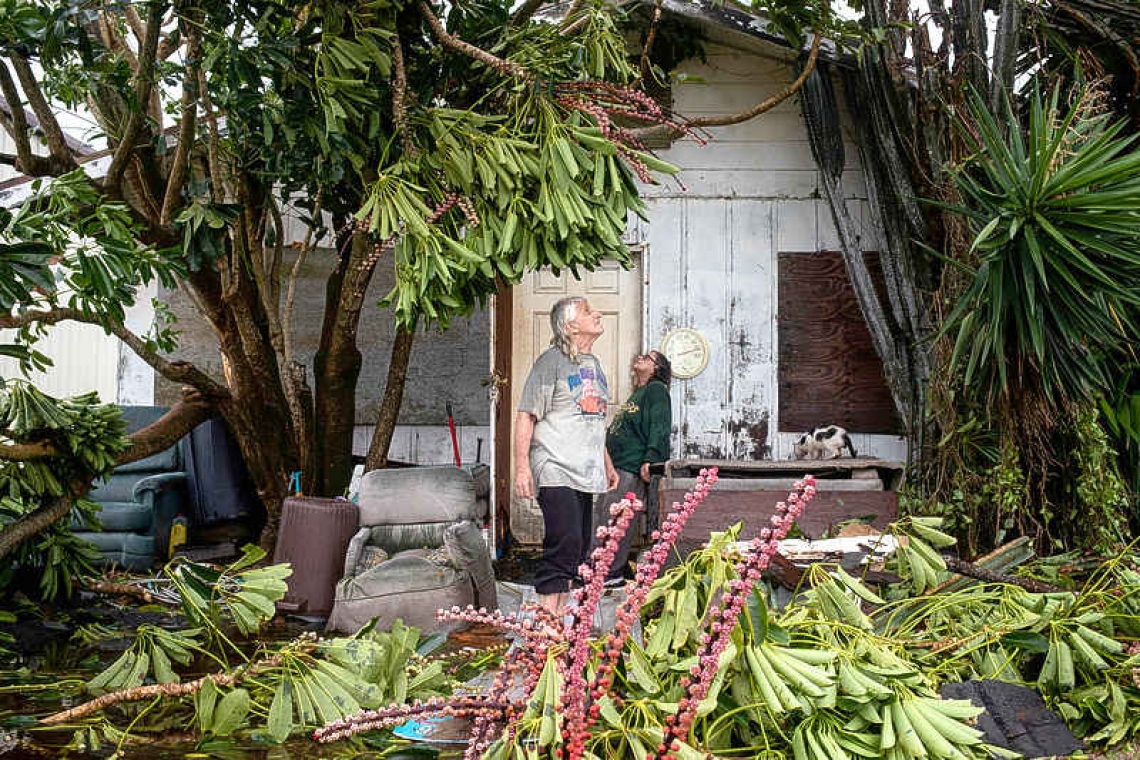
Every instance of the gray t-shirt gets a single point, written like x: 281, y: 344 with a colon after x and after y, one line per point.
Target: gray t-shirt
x: 568, y: 402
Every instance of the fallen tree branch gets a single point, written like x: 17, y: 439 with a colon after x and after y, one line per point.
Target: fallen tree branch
x: 189, y: 412
x: 27, y: 452
x: 670, y: 131
x: 176, y: 371
x: 192, y: 410
x: 961, y: 567
x: 121, y: 589
x: 168, y: 690
x: 508, y: 68
x: 39, y: 520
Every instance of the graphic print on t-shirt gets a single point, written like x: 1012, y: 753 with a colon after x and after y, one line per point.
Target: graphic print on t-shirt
x: 589, y: 392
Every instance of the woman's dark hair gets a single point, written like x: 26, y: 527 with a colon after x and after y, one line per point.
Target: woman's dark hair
x: 662, y: 368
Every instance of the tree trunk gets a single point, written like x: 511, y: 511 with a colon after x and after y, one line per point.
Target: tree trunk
x: 821, y: 115
x: 393, y: 398
x: 336, y: 367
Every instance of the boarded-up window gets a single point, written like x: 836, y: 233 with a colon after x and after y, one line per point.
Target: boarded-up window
x: 829, y: 371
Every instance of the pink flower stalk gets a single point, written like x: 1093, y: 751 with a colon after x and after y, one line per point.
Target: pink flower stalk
x: 603, y: 101
x: 648, y: 568
x: 723, y: 616
x: 529, y: 628
x: 575, y: 728
x: 385, y: 717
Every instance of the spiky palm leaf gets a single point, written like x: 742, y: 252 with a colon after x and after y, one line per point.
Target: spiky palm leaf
x: 1055, y: 218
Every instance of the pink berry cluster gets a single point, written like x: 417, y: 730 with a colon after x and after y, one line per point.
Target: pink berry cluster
x: 602, y: 101
x: 575, y: 725
x: 528, y: 627
x: 723, y: 616
x: 386, y: 717
x: 648, y: 568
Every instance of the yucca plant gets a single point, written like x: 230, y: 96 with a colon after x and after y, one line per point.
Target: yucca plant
x: 1054, y: 211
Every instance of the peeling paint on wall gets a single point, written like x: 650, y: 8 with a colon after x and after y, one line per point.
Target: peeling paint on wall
x: 748, y: 435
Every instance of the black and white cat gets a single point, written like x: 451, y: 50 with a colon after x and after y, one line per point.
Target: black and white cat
x: 823, y: 443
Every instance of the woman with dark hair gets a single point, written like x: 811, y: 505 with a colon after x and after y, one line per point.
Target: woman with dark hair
x: 638, y: 436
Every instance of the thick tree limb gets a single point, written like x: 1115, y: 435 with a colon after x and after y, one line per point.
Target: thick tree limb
x: 193, y: 409
x: 18, y: 127
x: 35, y: 523
x: 176, y: 371
x: 670, y: 131
x: 525, y: 11
x: 169, y: 690
x: 189, y: 412
x: 158, y: 436
x: 144, y: 81
x: 62, y: 160
x: 26, y: 452
x: 187, y: 127
x: 505, y: 67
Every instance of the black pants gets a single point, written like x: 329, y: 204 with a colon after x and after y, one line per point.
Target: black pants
x: 567, y: 515
x: 627, y: 482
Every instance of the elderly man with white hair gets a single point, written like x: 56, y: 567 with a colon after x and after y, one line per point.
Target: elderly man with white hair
x: 560, y: 445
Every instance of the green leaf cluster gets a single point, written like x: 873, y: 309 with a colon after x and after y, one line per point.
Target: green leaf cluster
x: 87, y: 436
x: 239, y: 592
x: 1052, y: 301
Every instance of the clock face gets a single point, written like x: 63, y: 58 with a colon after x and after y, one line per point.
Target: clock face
x: 688, y: 351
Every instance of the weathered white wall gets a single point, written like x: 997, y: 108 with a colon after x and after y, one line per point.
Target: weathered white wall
x: 84, y: 359
x: 749, y: 194
x: 7, y: 145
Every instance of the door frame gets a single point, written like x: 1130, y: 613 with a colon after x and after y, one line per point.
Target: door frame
x: 502, y: 415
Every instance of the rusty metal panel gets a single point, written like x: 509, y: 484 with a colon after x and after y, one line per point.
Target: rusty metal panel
x: 829, y: 371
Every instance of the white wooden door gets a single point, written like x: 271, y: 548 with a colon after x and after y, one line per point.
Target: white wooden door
x: 616, y: 293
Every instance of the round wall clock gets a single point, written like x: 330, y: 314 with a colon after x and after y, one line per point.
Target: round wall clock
x: 687, y: 350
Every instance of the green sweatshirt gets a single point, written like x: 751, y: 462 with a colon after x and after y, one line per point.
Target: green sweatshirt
x: 640, y: 430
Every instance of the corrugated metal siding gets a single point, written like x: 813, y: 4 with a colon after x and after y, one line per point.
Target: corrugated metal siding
x: 85, y: 359
x: 749, y: 194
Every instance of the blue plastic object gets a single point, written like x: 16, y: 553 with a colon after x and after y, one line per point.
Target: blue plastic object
x: 423, y: 731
